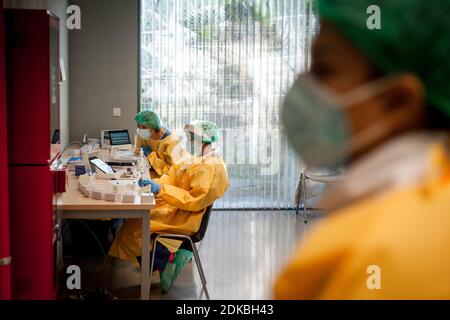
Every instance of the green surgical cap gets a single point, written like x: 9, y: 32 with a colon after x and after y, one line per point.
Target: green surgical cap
x: 414, y: 37
x: 204, y: 130
x: 150, y: 119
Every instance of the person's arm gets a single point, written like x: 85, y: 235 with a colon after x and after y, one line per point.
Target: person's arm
x: 196, y: 197
x: 169, y: 153
x: 306, y: 277
x: 158, y: 163
x: 175, y: 151
x: 167, y: 178
x: 330, y: 264
x: 138, y: 145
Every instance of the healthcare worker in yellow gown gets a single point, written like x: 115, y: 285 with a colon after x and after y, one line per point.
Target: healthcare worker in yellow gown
x: 161, y: 147
x: 378, y: 102
x: 183, y: 194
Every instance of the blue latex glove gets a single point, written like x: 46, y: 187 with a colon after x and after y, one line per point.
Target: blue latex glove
x: 154, y: 187
x: 147, y: 151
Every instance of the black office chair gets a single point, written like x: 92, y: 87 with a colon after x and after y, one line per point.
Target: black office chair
x: 191, y: 240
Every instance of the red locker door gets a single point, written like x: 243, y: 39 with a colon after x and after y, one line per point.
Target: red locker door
x: 32, y: 249
x: 28, y: 85
x: 5, y: 268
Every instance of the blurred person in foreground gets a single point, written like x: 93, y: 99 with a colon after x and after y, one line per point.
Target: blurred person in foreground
x: 377, y: 102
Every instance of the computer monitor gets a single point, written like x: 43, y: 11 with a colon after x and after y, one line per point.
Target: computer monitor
x: 98, y: 164
x: 119, y: 137
x: 115, y: 138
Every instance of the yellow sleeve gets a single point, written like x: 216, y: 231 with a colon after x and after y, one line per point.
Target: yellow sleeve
x: 167, y: 178
x: 174, y: 152
x: 138, y: 145
x: 322, y: 267
x: 159, y: 164
x: 197, y: 197
x: 305, y: 278
x: 168, y: 153
x: 309, y: 272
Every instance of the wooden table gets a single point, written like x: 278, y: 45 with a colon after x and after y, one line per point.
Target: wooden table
x: 74, y: 205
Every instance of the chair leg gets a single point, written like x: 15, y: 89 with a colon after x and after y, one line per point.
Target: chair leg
x: 200, y: 268
x: 305, y: 206
x: 151, y: 263
x: 300, y: 188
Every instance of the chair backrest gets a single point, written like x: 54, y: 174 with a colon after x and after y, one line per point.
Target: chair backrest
x: 203, y: 226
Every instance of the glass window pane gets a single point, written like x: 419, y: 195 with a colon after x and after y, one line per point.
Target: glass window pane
x: 231, y: 62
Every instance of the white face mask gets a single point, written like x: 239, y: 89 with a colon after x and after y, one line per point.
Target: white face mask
x: 145, y: 134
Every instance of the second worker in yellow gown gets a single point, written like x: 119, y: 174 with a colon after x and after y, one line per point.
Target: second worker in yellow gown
x: 182, y: 194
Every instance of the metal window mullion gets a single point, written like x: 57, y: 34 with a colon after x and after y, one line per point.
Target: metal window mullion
x: 247, y: 196
x: 273, y: 98
x: 153, y: 55
x: 182, y: 107
x: 211, y: 55
x: 224, y: 97
x: 203, y: 46
x: 282, y: 138
x: 189, y: 75
x: 280, y: 90
x: 262, y: 127
x: 196, y: 76
x: 296, y: 40
x: 305, y: 37
x: 168, y: 76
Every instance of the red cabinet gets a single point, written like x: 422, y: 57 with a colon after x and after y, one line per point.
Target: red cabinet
x: 32, y: 246
x: 32, y: 69
x: 5, y: 267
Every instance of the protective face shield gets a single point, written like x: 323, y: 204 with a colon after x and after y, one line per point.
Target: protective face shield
x: 316, y: 124
x: 145, y: 134
x: 194, y: 146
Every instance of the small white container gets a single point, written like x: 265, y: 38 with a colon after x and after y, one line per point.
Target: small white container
x: 118, y: 186
x: 84, y: 179
x: 113, y: 197
x: 147, y: 198
x: 83, y: 189
x: 97, y: 195
x: 129, y: 198
x: 131, y: 186
x: 87, y: 193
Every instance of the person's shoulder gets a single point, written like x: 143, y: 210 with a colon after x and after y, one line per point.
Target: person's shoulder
x: 214, y: 160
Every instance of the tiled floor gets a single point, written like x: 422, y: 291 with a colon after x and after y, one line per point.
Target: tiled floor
x: 242, y: 253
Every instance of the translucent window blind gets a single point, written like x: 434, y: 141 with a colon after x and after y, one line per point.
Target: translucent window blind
x: 231, y: 62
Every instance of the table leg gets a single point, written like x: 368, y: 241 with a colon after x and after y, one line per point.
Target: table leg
x: 59, y: 243
x: 145, y: 254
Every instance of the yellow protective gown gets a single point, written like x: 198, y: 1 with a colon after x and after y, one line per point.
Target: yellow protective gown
x: 392, y: 244
x: 186, y: 191
x: 165, y: 152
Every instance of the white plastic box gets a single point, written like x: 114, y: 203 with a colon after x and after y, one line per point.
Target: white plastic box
x: 129, y: 198
x: 147, y: 198
x: 97, y: 195
x: 113, y: 197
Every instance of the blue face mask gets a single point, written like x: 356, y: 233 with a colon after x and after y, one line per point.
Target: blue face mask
x: 316, y: 124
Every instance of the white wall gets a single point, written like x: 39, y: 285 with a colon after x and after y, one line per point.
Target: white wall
x: 58, y: 7
x: 104, y: 67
